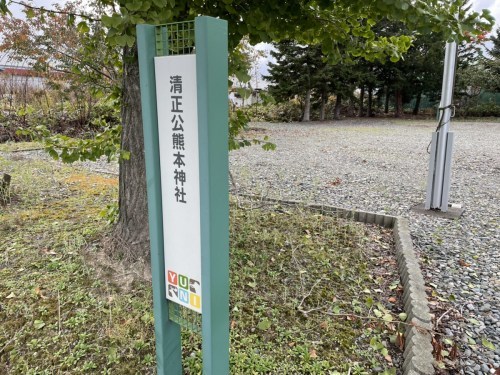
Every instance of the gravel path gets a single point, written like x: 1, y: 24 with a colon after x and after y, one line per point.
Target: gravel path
x: 381, y: 166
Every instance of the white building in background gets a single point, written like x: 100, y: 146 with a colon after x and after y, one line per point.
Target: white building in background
x: 13, y: 78
x: 238, y: 101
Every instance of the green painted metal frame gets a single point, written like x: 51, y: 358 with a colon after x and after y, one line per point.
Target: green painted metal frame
x: 212, y: 72
x: 168, y: 333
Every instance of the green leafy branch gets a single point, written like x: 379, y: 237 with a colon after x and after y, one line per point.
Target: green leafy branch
x: 238, y: 122
x: 69, y: 150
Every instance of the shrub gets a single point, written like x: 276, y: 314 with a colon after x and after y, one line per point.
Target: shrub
x: 480, y: 110
x: 276, y: 112
x: 67, y: 119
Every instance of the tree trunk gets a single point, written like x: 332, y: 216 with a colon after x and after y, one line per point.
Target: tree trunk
x: 386, y: 107
x: 323, y: 106
x: 399, y: 103
x: 131, y: 233
x: 338, y: 104
x: 417, y: 104
x: 369, y: 111
x: 361, y: 100
x: 307, y: 107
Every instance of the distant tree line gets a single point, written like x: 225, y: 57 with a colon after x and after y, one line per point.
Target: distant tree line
x: 303, y: 73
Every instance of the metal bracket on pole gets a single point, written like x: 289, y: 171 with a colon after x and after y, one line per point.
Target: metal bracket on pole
x: 447, y: 171
x: 430, y: 178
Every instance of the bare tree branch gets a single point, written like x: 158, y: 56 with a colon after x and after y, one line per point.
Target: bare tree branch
x: 55, y: 11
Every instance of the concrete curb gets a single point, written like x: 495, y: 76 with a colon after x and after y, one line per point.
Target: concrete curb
x: 418, y: 356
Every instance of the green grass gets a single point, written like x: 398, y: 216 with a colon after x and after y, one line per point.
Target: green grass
x: 307, y: 290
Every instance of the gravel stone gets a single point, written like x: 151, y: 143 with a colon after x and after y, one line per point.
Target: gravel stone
x: 380, y: 166
x: 486, y: 307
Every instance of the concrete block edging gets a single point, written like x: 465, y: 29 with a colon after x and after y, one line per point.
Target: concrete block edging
x: 418, y: 352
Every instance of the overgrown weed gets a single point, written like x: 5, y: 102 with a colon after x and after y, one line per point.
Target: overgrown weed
x: 308, y: 292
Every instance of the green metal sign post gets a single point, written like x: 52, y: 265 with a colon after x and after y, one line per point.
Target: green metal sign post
x: 212, y: 73
x: 188, y: 107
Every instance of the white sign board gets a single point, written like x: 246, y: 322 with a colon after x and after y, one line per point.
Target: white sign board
x: 178, y: 140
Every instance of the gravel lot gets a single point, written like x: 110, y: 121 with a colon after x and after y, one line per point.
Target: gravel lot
x: 381, y: 166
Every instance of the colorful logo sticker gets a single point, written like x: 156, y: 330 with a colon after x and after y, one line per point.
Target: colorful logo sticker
x: 183, y: 290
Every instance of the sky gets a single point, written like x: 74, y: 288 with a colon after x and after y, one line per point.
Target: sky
x: 492, y: 5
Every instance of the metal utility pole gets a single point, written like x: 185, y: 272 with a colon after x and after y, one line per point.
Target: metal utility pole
x: 438, y: 181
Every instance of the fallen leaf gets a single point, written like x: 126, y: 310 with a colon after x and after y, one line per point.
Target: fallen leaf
x: 388, y: 358
x: 392, y: 299
x: 233, y: 324
x: 324, y: 325
x: 463, y: 263
x: 387, y: 318
x: 38, y: 324
x: 474, y: 321
x: 335, y: 182
x: 440, y: 365
x: 264, y: 324
x: 39, y: 293
x: 400, y: 340
x: 11, y: 295
x: 49, y: 252
x: 437, y: 350
x: 454, y: 352
x: 488, y: 344
x: 312, y: 354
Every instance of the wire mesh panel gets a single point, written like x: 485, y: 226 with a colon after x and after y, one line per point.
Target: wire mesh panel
x: 186, y: 318
x: 175, y: 39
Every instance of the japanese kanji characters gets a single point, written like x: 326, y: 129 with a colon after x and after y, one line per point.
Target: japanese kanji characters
x: 178, y: 142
